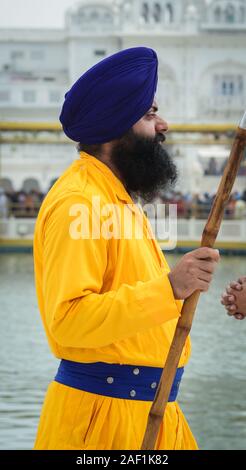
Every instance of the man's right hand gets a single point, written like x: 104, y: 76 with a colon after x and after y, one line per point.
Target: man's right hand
x: 193, y: 272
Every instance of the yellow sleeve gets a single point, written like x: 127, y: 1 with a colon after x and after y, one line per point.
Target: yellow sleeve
x: 77, y: 313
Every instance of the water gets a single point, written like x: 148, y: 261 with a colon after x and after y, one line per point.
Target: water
x: 212, y: 394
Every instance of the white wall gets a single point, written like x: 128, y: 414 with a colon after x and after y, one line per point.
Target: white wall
x: 189, y: 55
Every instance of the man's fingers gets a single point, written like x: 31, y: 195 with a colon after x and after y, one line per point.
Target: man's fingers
x: 207, y: 266
x: 204, y: 276
x: 203, y: 286
x: 231, y: 308
x: 228, y: 299
x: 239, y: 316
x: 233, y: 290
x: 226, y: 303
x: 231, y: 313
x: 205, y: 253
x: 236, y: 285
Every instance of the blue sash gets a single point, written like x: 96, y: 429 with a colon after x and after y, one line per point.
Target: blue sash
x: 115, y: 380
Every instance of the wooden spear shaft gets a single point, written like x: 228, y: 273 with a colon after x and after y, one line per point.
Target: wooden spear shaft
x: 184, y: 324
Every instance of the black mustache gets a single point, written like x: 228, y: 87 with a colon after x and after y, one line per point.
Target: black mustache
x: 160, y: 138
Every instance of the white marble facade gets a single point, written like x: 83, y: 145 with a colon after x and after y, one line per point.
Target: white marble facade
x: 201, y: 47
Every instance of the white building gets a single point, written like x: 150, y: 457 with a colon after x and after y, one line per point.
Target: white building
x: 201, y: 47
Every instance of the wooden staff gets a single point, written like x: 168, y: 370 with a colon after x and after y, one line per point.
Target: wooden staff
x: 184, y: 324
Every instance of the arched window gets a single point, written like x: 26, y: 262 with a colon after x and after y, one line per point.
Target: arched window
x: 157, y: 13
x: 169, y: 13
x: 80, y: 13
x: 107, y: 17
x: 30, y: 184
x: 224, y: 88
x: 242, y: 14
x: 94, y: 15
x: 232, y: 85
x: 230, y: 14
x: 145, y: 12
x: 79, y: 16
x: 216, y: 85
x: 240, y: 84
x: 7, y: 185
x: 231, y: 88
x: 217, y: 15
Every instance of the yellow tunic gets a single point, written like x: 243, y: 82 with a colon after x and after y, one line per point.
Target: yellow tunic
x: 102, y: 300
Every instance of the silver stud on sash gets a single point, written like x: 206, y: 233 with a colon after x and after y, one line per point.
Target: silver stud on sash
x: 110, y: 380
x: 153, y: 385
x: 136, y: 371
x: 132, y: 393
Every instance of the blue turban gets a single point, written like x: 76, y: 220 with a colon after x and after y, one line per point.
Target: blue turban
x: 108, y: 99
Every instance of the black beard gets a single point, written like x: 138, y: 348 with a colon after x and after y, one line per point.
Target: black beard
x: 144, y: 165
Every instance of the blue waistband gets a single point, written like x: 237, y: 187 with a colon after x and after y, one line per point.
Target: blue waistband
x: 115, y: 380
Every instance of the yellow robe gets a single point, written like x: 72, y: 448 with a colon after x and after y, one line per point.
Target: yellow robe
x: 102, y: 300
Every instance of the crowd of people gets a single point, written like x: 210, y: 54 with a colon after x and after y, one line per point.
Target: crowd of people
x: 26, y: 204
x: 216, y: 168
x: 198, y: 205
x: 20, y: 203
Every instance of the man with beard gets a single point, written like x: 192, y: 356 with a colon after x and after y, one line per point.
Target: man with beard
x: 110, y: 304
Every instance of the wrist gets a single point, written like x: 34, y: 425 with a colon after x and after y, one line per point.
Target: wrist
x: 171, y: 280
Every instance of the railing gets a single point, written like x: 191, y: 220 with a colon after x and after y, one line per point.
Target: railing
x: 184, y: 211
x: 232, y: 231
x: 22, y: 210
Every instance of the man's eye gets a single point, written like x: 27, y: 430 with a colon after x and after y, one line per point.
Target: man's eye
x: 151, y: 115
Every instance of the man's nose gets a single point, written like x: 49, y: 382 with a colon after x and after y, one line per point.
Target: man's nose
x: 161, y: 126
